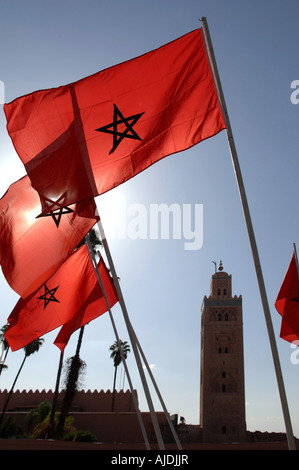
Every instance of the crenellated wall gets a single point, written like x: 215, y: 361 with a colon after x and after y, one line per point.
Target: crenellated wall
x: 88, y: 401
x: 91, y: 411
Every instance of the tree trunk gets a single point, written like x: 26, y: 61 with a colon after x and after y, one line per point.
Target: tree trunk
x: 54, y: 403
x: 79, y: 342
x: 113, y: 390
x: 11, y: 390
x: 71, y: 386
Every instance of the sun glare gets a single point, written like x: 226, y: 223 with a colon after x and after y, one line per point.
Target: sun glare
x: 32, y: 214
x: 112, y: 210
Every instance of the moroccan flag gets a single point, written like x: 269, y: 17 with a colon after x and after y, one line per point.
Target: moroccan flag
x: 82, y: 139
x: 54, y: 303
x: 94, y: 306
x: 287, y: 333
x: 31, y: 248
x: 287, y: 303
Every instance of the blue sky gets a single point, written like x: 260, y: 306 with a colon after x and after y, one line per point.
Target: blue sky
x: 50, y: 44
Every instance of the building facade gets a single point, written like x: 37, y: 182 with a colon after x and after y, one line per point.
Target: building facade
x: 91, y: 411
x: 222, y: 391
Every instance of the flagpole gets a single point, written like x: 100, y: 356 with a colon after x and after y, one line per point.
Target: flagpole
x: 99, y: 279
x: 132, y: 338
x: 175, y: 436
x: 267, y: 314
x: 170, y: 423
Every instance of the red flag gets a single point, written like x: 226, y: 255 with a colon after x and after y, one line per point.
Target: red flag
x: 82, y: 139
x: 287, y: 303
x: 287, y: 333
x: 93, y: 308
x: 54, y: 303
x: 32, y: 249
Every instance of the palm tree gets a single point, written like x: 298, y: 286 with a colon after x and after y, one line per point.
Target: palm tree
x: 38, y: 419
x: 94, y: 240
x: 116, y: 356
x: 5, y: 347
x: 75, y: 368
x: 29, y: 349
x: 75, y: 362
x: 55, y: 398
x: 38, y: 415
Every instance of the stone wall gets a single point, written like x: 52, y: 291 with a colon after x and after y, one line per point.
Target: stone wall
x: 88, y: 401
x: 91, y: 411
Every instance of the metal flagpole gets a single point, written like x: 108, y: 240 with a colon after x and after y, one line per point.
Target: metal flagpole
x: 267, y: 314
x: 170, y: 423
x: 150, y: 374
x: 132, y: 338
x: 140, y: 349
x: 96, y: 270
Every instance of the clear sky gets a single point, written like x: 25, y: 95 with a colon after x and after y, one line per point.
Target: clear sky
x: 47, y: 44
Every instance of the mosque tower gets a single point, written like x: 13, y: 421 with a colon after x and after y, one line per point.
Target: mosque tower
x: 222, y: 392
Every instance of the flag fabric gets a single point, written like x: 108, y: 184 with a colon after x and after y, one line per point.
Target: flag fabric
x: 54, y: 303
x: 94, y: 307
x: 287, y: 333
x: 82, y: 139
x: 32, y: 247
x: 287, y: 303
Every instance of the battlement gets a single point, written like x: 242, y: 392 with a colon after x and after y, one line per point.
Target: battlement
x: 85, y: 400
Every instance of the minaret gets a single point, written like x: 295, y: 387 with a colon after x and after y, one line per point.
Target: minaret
x: 222, y: 394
